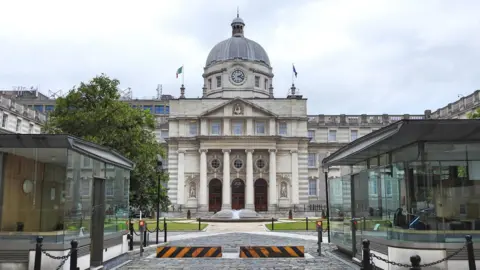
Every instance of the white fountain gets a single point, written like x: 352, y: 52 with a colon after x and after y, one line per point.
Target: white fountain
x: 242, y: 215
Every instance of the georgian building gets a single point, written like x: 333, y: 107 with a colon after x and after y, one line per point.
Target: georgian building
x: 18, y: 118
x: 240, y: 145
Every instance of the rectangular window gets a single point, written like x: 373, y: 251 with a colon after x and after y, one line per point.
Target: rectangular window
x: 311, y: 134
x: 266, y: 84
x: 353, y: 135
x: 209, y: 83
x: 86, y: 161
x: 215, y: 128
x: 332, y: 135
x: 5, y: 120
x: 312, y: 187
x: 372, y: 186
x: 147, y: 108
x: 19, y: 125
x: 109, y: 187
x: 193, y: 129
x: 282, y: 128
x: 30, y: 129
x: 159, y: 109
x: 38, y: 108
x: 219, y: 81
x: 312, y: 160
x: 388, y: 187
x: 164, y: 133
x: 260, y: 128
x: 167, y: 109
x: 85, y: 187
x: 237, y: 127
x: 257, y: 81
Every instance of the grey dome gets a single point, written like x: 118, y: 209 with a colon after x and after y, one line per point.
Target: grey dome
x: 237, y: 47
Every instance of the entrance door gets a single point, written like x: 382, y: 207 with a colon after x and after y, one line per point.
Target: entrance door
x: 238, y: 194
x: 261, y: 193
x: 215, y: 195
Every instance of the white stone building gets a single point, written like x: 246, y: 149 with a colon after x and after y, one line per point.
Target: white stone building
x: 18, y: 118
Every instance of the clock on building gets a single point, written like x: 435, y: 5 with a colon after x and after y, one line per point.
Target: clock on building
x: 237, y: 76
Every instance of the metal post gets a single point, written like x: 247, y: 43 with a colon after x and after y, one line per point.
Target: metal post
x: 199, y: 224
x: 273, y: 224
x: 415, y: 260
x: 158, y: 208
x: 470, y: 255
x: 306, y: 223
x: 145, y: 238
x: 73, y: 255
x: 328, y: 208
x: 165, y: 232
x: 366, y: 263
x: 38, y: 254
x: 130, y: 242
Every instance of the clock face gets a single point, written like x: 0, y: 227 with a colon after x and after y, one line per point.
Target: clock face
x: 238, y: 76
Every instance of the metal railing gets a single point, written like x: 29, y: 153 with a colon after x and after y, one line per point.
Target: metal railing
x: 72, y: 254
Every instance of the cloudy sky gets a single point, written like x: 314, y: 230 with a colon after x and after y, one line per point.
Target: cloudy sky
x: 352, y: 57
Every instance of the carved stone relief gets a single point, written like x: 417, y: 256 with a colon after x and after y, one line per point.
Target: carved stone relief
x: 283, y: 190
x: 214, y: 163
x: 237, y: 163
x: 237, y: 109
x: 260, y: 163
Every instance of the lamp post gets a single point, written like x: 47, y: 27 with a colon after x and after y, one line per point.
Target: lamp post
x: 325, y: 173
x: 159, y: 176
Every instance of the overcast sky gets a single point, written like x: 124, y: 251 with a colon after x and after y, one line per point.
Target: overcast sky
x: 352, y: 57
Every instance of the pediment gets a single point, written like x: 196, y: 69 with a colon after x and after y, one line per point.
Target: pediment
x: 238, y: 107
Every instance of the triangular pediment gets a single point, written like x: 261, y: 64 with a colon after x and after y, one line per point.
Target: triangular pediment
x: 238, y: 107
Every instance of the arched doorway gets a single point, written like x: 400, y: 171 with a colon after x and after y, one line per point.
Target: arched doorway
x: 261, y: 193
x: 215, y: 195
x: 238, y: 194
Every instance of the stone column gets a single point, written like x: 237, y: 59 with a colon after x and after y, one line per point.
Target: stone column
x: 203, y: 196
x: 226, y: 188
x: 294, y: 154
x: 181, y: 178
x: 249, y: 189
x: 272, y: 180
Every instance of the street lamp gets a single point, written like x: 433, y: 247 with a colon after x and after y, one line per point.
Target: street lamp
x: 325, y: 173
x: 159, y: 170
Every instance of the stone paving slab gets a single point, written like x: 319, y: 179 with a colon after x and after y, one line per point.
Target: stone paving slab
x: 235, y: 240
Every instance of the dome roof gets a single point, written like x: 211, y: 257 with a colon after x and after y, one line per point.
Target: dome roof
x: 237, y: 47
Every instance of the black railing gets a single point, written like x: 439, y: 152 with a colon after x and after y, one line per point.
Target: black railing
x: 310, y: 208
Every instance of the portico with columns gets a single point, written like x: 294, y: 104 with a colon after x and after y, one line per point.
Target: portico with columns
x: 237, y: 146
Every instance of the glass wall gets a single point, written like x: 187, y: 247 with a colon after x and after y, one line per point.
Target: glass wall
x: 32, y: 193
x: 340, y: 211
x: 421, y: 193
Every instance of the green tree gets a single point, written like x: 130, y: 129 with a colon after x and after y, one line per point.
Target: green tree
x: 93, y: 111
x: 474, y: 115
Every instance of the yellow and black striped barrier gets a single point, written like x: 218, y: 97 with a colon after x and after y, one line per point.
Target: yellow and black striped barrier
x: 272, y: 252
x: 189, y: 252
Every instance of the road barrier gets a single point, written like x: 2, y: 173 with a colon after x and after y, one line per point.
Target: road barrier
x: 272, y: 252
x: 189, y: 252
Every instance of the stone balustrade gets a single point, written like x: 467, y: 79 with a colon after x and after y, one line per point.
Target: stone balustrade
x: 457, y: 108
x: 21, y: 109
x: 358, y: 120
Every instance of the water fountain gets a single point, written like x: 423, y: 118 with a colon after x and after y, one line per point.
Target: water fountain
x: 242, y: 215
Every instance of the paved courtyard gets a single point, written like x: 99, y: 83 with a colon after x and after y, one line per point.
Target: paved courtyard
x: 231, y: 241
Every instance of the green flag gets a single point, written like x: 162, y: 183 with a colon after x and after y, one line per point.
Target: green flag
x: 179, y: 71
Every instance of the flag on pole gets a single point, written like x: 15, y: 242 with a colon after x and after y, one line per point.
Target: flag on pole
x: 294, y: 70
x: 179, y: 71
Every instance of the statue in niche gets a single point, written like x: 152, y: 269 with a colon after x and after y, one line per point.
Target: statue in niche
x: 283, y: 190
x: 192, y: 191
x: 237, y: 110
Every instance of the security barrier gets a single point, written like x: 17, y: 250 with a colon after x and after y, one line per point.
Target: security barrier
x: 189, y: 252
x: 272, y: 252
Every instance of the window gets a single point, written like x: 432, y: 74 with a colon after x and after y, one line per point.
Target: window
x: 216, y: 127
x: 266, y: 84
x: 388, y: 187
x: 238, y: 164
x: 372, y: 186
x: 38, y: 108
x: 159, y: 109
x: 259, y: 127
x: 49, y: 108
x: 19, y: 125
x: 312, y: 160
x: 167, y: 109
x: 215, y: 163
x: 30, y: 129
x: 109, y: 187
x: 332, y: 135
x: 219, y: 81
x: 312, y: 187
x: 282, y: 128
x: 353, y: 135
x: 86, y: 161
x: 164, y: 133
x: 193, y: 129
x: 147, y: 108
x: 311, y: 134
x: 260, y: 163
x: 257, y: 81
x: 209, y: 83
x: 4, y: 120
x: 126, y: 187
x: 68, y: 187
x: 237, y: 128
x: 85, y: 187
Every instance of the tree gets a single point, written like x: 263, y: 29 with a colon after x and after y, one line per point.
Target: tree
x: 93, y: 111
x: 474, y: 115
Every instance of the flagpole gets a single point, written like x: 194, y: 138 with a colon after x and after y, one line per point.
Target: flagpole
x: 293, y: 74
x: 183, y: 74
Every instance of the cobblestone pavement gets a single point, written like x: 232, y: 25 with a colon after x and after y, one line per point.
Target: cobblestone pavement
x: 230, y: 243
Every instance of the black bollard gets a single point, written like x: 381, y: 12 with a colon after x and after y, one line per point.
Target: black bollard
x: 273, y: 224
x: 415, y: 260
x: 366, y: 263
x: 145, y: 238
x: 470, y: 255
x: 199, y: 224
x: 130, y: 242
x: 73, y: 255
x: 38, y: 254
x: 306, y: 223
x: 165, y: 232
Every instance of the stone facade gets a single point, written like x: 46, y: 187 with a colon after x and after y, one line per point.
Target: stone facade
x: 17, y: 118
